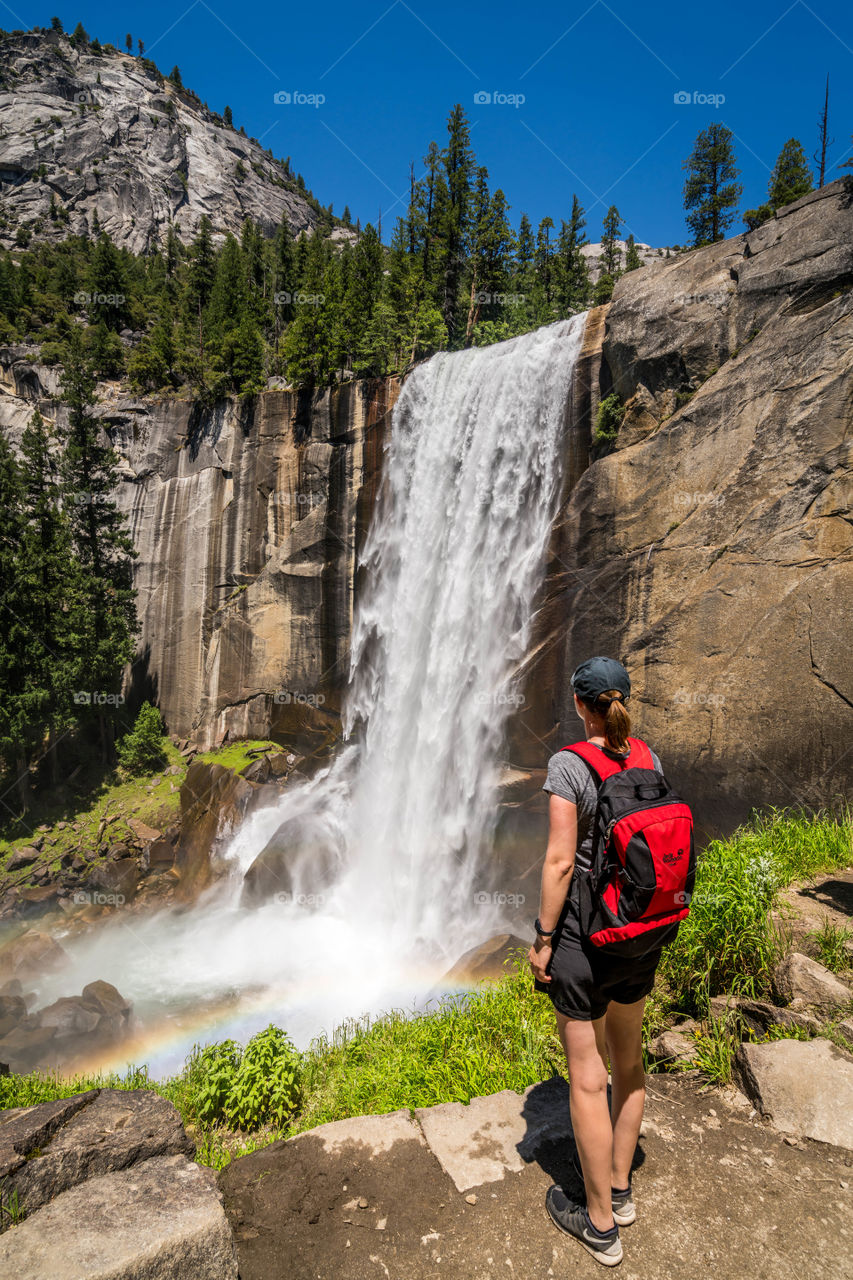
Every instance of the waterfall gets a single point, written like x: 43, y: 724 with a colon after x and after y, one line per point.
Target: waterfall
x: 388, y: 889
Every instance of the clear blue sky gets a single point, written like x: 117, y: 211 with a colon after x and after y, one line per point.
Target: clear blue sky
x: 599, y: 79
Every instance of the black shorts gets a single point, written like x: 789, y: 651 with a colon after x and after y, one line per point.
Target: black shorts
x: 584, y: 980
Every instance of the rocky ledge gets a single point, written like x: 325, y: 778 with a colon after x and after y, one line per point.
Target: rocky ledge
x: 100, y: 1187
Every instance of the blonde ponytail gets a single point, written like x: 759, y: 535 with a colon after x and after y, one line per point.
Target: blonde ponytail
x: 617, y: 723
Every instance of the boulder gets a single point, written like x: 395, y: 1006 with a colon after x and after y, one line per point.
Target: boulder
x: 114, y: 884
x: 106, y: 1000
x: 113, y: 1130
x: 487, y: 961
x: 31, y: 955
x: 12, y: 1010
x: 299, y: 862
x: 68, y: 1017
x: 142, y: 831
x: 760, y: 1015
x: 21, y: 858
x: 671, y: 1047
x: 801, y: 982
x: 213, y: 801
x: 27, y: 1044
x: 160, y: 854
x: 803, y: 1087
x: 24, y: 1130
x: 160, y: 1220
x: 68, y: 1028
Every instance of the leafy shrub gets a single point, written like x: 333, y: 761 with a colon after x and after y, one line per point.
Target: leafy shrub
x: 611, y: 411
x: 141, y: 750
x: 262, y: 1085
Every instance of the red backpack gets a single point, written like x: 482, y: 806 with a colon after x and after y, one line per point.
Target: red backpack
x: 643, y: 867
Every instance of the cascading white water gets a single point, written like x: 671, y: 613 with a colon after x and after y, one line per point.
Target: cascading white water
x: 453, y: 561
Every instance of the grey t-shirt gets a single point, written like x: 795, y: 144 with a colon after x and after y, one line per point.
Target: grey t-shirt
x: 571, y: 778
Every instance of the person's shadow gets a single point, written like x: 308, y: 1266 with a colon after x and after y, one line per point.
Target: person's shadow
x: 549, y: 1139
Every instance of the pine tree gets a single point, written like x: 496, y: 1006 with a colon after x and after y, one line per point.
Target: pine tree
x: 611, y: 253
x: 101, y: 607
x: 140, y: 45
x: 284, y: 278
x: 571, y: 270
x: 711, y: 189
x: 17, y: 721
x: 603, y: 290
x: 142, y: 749
x: 175, y: 77
x: 430, y: 195
x: 632, y: 257
x: 454, y: 217
x: 228, y: 118
x: 791, y: 177
x: 255, y: 268
x: 309, y: 346
x: 543, y: 263
x: 56, y: 25
x: 128, y: 41
x: 45, y: 569
x: 105, y: 351
x: 492, y: 249
x: 200, y: 279
x: 108, y: 284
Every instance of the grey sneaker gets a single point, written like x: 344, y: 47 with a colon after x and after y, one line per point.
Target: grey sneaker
x: 622, y: 1202
x: 572, y: 1219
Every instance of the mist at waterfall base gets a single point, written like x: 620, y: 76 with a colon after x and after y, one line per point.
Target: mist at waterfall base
x: 405, y: 813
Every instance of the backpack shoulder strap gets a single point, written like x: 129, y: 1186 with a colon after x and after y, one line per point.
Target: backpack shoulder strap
x: 603, y: 766
x: 600, y: 764
x: 640, y: 756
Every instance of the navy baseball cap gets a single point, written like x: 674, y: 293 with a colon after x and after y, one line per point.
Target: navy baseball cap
x: 597, y: 674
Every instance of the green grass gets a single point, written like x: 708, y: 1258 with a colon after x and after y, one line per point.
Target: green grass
x: 112, y: 800
x: 499, y: 1036
x: 831, y: 941
x: 729, y: 941
x: 238, y: 755
x: 502, y: 1035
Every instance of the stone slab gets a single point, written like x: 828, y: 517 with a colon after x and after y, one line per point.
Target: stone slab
x: 481, y: 1141
x: 118, y: 1128
x: 24, y: 1129
x: 803, y: 1087
x: 377, y: 1133
x: 162, y: 1220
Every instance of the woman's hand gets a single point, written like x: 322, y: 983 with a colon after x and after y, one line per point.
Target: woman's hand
x: 539, y: 956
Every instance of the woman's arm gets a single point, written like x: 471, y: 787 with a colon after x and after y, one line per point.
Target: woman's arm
x: 556, y: 876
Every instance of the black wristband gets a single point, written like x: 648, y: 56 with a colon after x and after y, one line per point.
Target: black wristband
x: 543, y: 933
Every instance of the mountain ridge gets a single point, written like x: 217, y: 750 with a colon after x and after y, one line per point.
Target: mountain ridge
x: 95, y: 139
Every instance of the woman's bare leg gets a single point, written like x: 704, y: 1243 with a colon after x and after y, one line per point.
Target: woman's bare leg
x: 585, y: 1050
x: 623, y: 1025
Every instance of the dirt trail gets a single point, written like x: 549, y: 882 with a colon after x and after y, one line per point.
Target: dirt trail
x: 719, y: 1194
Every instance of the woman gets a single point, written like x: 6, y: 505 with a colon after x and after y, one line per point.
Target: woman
x: 598, y: 1000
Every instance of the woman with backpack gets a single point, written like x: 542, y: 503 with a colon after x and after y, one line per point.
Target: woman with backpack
x: 599, y: 988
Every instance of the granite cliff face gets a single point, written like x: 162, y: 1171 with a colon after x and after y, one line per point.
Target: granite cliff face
x: 712, y: 550
x: 247, y: 520
x: 107, y: 133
